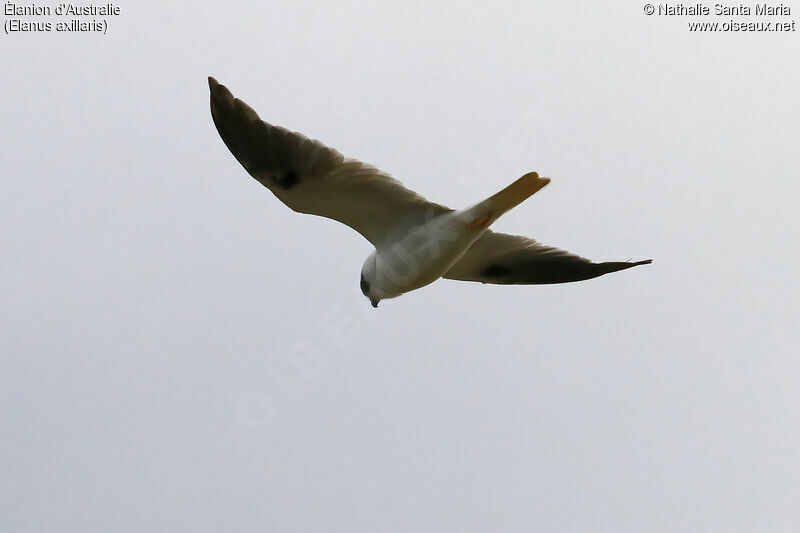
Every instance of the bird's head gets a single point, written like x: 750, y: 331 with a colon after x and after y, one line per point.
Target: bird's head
x: 368, y: 277
x: 366, y: 289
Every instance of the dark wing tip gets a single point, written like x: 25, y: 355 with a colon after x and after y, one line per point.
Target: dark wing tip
x: 267, y: 152
x: 219, y: 93
x: 606, y: 268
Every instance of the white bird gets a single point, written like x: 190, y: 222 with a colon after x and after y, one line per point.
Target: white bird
x: 416, y: 241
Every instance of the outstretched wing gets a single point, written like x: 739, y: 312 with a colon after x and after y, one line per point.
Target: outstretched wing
x: 510, y: 259
x: 311, y: 178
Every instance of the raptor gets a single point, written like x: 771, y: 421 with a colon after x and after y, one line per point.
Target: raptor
x: 416, y: 241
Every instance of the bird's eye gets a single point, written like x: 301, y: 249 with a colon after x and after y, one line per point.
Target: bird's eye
x: 364, y: 286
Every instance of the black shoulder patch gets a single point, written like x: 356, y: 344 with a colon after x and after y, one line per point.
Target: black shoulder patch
x: 495, y: 272
x: 289, y: 179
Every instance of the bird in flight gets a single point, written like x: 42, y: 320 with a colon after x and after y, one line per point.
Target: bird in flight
x: 416, y: 241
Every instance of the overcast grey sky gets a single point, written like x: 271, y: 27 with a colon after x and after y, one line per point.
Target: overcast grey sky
x: 181, y: 352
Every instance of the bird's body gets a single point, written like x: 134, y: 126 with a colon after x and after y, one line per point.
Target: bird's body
x: 429, y: 250
x: 416, y: 241
x: 420, y: 257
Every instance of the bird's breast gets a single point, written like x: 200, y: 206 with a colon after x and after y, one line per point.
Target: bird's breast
x: 423, y: 254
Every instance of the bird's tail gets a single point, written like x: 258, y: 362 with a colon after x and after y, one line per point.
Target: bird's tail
x: 516, y: 193
x: 483, y: 214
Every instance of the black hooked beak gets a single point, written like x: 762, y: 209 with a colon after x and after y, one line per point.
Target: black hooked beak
x: 374, y: 303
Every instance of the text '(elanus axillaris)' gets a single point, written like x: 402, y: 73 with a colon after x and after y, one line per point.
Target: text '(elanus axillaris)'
x: 416, y: 241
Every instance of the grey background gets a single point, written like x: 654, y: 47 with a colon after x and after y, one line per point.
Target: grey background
x: 181, y: 352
